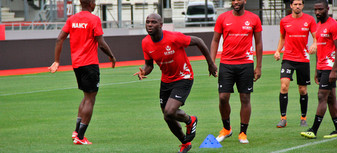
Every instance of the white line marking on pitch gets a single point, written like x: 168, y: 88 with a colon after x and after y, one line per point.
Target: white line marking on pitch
x: 301, y: 146
x: 20, y: 93
x: 37, y: 91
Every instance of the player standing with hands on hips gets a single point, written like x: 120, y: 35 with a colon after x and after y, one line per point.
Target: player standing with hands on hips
x: 86, y: 35
x: 167, y: 49
x: 326, y: 68
x: 237, y: 28
x: 294, y: 32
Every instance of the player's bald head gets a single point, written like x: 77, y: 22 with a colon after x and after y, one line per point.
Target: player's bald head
x: 155, y: 16
x: 86, y: 2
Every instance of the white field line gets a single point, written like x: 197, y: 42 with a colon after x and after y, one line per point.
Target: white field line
x: 305, y: 145
x: 37, y: 91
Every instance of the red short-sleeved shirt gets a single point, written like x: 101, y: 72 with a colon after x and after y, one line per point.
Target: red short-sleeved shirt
x: 326, y: 34
x: 170, y: 55
x: 296, y: 31
x: 83, y: 27
x: 237, y: 33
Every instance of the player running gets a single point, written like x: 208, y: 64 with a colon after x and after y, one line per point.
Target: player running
x: 85, y: 35
x: 166, y: 48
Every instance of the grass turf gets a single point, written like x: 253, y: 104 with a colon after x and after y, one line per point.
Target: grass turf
x: 38, y: 114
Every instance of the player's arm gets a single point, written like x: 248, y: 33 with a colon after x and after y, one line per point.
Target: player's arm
x: 279, y: 47
x: 147, y: 69
x: 215, y: 45
x: 58, y: 48
x: 259, y: 48
x: 332, y: 76
x: 196, y: 41
x: 313, y: 47
x: 315, y: 77
x: 106, y: 49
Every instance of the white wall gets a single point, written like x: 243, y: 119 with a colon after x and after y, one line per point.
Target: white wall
x: 270, y: 34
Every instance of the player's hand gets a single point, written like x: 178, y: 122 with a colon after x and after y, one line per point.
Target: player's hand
x: 53, y: 68
x: 313, y: 49
x: 140, y: 74
x: 213, y: 70
x: 257, y: 74
x: 277, y: 55
x: 113, y: 61
x: 316, y: 79
x: 332, y: 76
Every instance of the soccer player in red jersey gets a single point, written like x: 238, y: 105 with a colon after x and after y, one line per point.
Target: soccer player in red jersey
x: 326, y: 68
x: 166, y: 48
x: 237, y: 28
x: 294, y: 32
x: 86, y: 35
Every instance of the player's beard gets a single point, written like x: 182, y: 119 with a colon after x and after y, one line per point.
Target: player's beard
x: 239, y: 8
x: 297, y: 11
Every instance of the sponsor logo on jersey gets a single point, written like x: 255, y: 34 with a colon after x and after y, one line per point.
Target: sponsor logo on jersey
x: 305, y: 29
x: 325, y: 33
x: 168, y: 51
x: 247, y: 26
x: 79, y: 25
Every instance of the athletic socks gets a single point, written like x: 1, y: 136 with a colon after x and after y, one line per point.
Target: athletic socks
x: 334, y: 120
x: 78, y: 121
x: 81, y: 130
x: 283, y: 103
x: 226, y: 124
x: 243, y: 128
x: 317, y: 123
x: 304, y: 104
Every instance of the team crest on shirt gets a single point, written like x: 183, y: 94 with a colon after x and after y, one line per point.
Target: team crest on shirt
x: 247, y: 26
x: 325, y: 33
x: 305, y: 24
x: 169, y: 50
x: 305, y: 28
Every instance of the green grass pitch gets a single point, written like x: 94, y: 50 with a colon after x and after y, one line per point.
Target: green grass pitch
x: 38, y: 114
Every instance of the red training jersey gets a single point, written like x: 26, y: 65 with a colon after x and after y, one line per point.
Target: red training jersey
x: 170, y: 55
x: 237, y: 33
x: 325, y: 36
x: 296, y: 32
x: 83, y: 27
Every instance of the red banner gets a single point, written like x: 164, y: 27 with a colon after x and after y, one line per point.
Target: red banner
x: 60, y: 8
x: 2, y: 32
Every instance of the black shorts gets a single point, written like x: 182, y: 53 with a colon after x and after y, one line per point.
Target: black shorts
x: 323, y: 79
x: 87, y: 78
x: 178, y: 90
x: 242, y: 75
x: 302, y: 71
